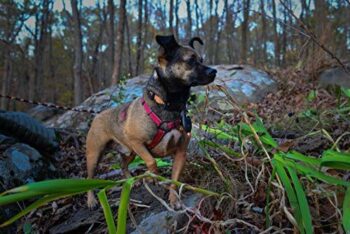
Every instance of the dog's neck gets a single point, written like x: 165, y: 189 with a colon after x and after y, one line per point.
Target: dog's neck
x: 160, y: 95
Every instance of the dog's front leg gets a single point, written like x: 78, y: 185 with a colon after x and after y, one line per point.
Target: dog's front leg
x: 179, y: 162
x: 142, y: 151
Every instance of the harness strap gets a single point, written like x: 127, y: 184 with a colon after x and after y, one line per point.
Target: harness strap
x: 151, y: 114
x: 155, y: 118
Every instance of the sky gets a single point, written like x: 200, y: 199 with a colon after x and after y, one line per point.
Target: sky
x: 132, y: 9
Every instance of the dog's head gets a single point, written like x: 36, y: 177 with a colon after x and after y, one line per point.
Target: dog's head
x: 181, y: 65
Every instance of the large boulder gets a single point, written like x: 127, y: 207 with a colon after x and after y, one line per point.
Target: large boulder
x: 244, y: 82
x: 335, y: 76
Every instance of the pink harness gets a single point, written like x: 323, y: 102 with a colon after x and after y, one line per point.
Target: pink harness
x: 170, y: 125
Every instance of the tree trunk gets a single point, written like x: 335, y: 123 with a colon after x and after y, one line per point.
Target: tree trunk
x: 228, y: 31
x: 39, y: 50
x: 189, y: 20
x: 177, y: 19
x: 128, y: 42
x: 78, y: 54
x: 139, y: 38
x: 245, y: 29
x: 145, y: 35
x: 120, y: 43
x: 218, y: 26
x: 197, y: 16
x: 111, y: 38
x: 284, y: 37
x: 5, y: 78
x: 263, y: 31
x: 211, y: 34
x: 95, y: 85
x: 275, y: 34
x: 171, y: 16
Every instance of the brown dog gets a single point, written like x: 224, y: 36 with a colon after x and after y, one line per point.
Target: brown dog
x: 154, y: 125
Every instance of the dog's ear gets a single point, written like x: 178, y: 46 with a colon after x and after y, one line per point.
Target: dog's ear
x: 167, y: 42
x: 193, y: 39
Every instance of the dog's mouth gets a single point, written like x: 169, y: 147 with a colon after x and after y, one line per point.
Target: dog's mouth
x: 208, y: 77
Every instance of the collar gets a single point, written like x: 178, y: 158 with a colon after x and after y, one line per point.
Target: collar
x: 157, y: 92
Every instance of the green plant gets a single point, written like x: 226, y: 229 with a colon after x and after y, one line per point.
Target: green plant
x: 288, y: 168
x: 138, y: 161
x: 50, y: 190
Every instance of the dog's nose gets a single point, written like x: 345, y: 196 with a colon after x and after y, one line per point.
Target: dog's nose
x: 211, y: 72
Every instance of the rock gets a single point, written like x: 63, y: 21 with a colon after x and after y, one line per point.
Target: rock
x: 43, y: 113
x: 335, y: 76
x: 22, y: 164
x: 80, y: 221
x: 244, y: 82
x: 163, y: 222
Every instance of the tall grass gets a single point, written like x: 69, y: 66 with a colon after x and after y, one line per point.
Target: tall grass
x: 288, y: 167
x: 46, y: 191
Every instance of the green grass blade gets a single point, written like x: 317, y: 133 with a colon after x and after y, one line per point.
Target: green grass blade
x: 223, y: 148
x: 308, y: 171
x: 335, y: 159
x: 35, y: 205
x: 51, y: 187
x: 219, y: 134
x: 107, y: 211
x: 303, y: 158
x: 303, y: 204
x: 123, y: 206
x: 11, y: 198
x: 292, y: 198
x: 346, y: 211
x: 63, y: 185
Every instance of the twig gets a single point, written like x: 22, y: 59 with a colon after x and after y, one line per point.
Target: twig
x: 314, y: 37
x: 134, y: 222
x: 179, y: 184
x: 164, y: 203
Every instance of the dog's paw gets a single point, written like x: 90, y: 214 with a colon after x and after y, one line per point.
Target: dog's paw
x: 174, y: 201
x: 91, y: 200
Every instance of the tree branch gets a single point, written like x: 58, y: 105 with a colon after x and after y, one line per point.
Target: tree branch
x: 314, y: 37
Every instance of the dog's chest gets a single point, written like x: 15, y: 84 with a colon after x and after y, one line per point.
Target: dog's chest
x: 170, y: 142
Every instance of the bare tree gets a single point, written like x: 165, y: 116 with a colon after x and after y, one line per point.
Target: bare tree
x: 245, y: 31
x: 218, y: 26
x: 145, y: 34
x: 93, y: 86
x: 119, y: 43
x: 263, y: 30
x: 111, y: 37
x: 40, y: 43
x: 275, y: 34
x: 128, y: 42
x: 177, y: 19
x: 197, y: 15
x: 78, y: 54
x: 139, y: 38
x: 171, y: 15
x: 189, y: 20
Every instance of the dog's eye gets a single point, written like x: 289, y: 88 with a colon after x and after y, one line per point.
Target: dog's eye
x: 201, y: 60
x: 192, y: 60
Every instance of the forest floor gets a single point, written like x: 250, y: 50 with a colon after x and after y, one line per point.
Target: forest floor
x: 300, y: 116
